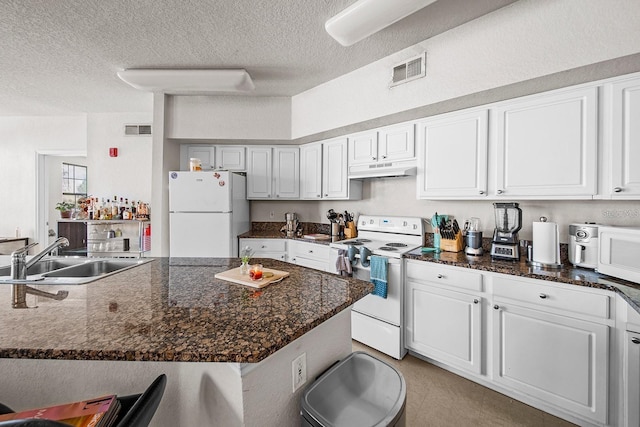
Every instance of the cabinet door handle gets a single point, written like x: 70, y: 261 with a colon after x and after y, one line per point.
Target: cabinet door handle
x: 326, y: 195
x: 277, y: 195
x: 294, y: 260
x: 496, y: 307
x: 476, y: 301
x: 373, y: 158
x: 318, y: 195
x: 262, y: 247
x: 440, y: 276
x: 543, y: 296
x: 481, y: 192
x: 617, y: 189
x: 635, y: 340
x: 310, y: 251
x: 384, y: 157
x: 500, y: 191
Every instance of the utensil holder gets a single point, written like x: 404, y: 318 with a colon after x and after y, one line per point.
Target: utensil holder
x: 452, y: 245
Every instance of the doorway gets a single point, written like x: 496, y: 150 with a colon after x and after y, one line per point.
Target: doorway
x: 49, y: 190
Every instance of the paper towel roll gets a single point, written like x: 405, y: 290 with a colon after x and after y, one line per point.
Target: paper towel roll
x: 546, y: 249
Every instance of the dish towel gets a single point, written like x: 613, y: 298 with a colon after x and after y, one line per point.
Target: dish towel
x: 343, y: 265
x: 378, y: 275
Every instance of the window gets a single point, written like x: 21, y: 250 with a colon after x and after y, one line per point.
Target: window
x: 74, y: 182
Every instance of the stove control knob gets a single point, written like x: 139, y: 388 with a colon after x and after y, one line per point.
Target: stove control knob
x: 363, y: 223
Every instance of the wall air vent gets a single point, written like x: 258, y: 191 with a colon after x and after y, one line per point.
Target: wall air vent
x: 137, y: 130
x: 411, y: 69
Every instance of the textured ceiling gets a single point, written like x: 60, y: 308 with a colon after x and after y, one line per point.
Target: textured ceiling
x: 61, y: 57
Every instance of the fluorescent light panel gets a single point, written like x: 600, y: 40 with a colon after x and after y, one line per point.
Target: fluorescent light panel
x: 366, y: 17
x: 185, y: 81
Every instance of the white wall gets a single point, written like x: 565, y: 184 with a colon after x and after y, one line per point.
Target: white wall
x: 228, y: 117
x: 20, y: 139
x: 129, y: 174
x: 525, y: 40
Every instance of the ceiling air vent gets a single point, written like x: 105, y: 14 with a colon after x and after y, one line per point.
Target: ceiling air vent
x: 411, y: 69
x: 137, y: 130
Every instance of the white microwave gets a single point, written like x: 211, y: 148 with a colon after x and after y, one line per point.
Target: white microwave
x: 619, y: 252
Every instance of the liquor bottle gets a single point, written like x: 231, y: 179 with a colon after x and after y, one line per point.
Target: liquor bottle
x: 114, y: 208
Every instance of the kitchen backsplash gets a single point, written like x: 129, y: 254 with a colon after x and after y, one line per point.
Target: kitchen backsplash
x: 397, y: 196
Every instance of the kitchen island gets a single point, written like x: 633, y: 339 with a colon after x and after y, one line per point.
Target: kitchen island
x: 227, y: 349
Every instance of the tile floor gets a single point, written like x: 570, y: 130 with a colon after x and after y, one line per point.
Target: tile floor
x: 436, y: 397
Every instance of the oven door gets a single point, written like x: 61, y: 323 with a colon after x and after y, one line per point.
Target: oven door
x: 386, y: 309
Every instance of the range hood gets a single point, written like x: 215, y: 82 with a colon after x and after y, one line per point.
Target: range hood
x: 380, y: 170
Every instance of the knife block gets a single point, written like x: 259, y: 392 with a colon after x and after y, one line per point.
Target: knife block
x: 452, y: 245
x: 350, y: 230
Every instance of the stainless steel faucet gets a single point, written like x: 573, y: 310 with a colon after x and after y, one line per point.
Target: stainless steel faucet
x: 19, y: 264
x: 19, y: 295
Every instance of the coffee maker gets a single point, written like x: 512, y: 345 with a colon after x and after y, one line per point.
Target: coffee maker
x: 505, y: 243
x: 473, y: 237
x: 292, y: 225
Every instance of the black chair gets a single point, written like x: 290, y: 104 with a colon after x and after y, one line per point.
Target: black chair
x: 136, y: 410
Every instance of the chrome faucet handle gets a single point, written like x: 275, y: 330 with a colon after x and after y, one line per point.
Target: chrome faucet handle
x: 23, y: 251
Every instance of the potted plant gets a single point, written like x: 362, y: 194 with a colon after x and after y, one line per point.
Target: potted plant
x: 65, y: 209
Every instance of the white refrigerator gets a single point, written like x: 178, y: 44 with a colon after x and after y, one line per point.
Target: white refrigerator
x: 207, y: 212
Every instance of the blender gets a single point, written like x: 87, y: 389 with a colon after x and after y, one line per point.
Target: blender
x: 505, y: 243
x: 291, y: 228
x: 473, y: 237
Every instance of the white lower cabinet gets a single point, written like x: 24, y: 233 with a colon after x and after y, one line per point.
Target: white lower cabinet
x: 632, y: 379
x: 312, y: 255
x: 266, y: 248
x: 430, y: 308
x: 558, y: 360
x: 546, y: 344
x: 443, y: 314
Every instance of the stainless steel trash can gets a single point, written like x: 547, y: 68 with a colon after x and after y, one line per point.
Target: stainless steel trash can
x: 360, y: 390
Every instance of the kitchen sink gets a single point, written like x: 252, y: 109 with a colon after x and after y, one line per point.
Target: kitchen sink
x: 92, y: 268
x: 72, y: 271
x: 45, y: 265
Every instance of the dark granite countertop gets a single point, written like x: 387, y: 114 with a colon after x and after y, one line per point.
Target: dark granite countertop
x: 174, y: 310
x: 275, y: 234
x: 569, y: 274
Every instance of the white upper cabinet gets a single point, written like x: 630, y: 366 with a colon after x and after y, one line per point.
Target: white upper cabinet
x: 363, y: 148
x: 206, y: 154
x: 396, y: 142
x: 230, y: 157
x: 335, y: 184
x: 286, y: 172
x: 227, y: 157
x: 273, y: 173
x: 625, y: 140
x: 311, y: 171
x: 387, y: 144
x: 323, y: 172
x: 259, y: 173
x: 546, y: 145
x: 452, y: 155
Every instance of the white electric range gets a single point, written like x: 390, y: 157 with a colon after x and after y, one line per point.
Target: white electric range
x: 376, y: 321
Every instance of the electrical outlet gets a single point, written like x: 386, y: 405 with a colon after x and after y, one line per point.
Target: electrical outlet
x: 299, y: 371
x: 272, y: 214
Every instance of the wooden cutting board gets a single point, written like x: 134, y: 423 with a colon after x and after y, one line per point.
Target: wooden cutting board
x: 235, y: 276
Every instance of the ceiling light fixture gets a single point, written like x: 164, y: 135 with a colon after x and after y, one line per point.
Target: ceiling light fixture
x: 366, y: 17
x: 188, y: 81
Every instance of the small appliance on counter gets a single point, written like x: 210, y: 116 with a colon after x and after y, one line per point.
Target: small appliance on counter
x: 583, y: 245
x: 546, y: 245
x: 292, y: 228
x: 473, y: 237
x: 505, y: 243
x: 618, y: 249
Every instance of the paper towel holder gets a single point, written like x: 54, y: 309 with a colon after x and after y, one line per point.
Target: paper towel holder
x: 543, y: 265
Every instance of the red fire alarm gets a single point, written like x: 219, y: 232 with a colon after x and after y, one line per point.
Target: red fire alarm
x: 113, y: 152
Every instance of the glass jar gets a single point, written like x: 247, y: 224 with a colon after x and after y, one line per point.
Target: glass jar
x: 195, y: 164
